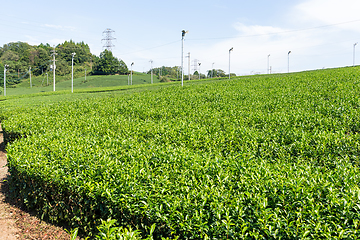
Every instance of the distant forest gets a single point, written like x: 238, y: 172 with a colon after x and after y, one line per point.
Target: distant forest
x: 20, y: 56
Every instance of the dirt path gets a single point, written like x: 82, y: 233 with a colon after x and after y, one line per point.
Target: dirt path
x: 16, y: 223
x: 8, y: 227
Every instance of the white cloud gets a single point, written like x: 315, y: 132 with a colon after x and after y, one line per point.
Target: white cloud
x: 330, y: 12
x: 59, y: 27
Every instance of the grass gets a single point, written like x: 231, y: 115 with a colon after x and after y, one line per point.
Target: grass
x: 39, y: 83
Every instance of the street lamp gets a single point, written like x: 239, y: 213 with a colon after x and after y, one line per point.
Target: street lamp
x: 212, y: 70
x: 5, y: 66
x: 182, y: 56
x: 72, y: 71
x: 289, y: 61
x: 131, y: 72
x: 151, y: 61
x: 231, y: 49
x: 268, y: 66
x: 354, y: 54
x: 199, y: 71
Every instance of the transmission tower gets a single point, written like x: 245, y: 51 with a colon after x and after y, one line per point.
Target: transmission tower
x: 108, y: 38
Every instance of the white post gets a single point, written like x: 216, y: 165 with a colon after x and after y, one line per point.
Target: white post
x: 199, y: 71
x: 5, y: 66
x: 229, y: 59
x: 151, y: 62
x: 182, y: 56
x: 30, y: 76
x: 72, y: 72
x: 131, y: 72
x: 212, y: 70
x: 54, y: 66
x: 354, y: 54
x: 189, y: 65
x: 289, y: 61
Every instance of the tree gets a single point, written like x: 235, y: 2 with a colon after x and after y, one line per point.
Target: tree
x: 108, y: 64
x: 216, y: 73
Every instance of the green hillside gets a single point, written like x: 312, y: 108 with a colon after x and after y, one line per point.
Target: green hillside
x: 39, y: 83
x: 258, y: 157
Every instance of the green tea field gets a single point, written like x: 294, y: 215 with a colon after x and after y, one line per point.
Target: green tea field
x: 256, y: 157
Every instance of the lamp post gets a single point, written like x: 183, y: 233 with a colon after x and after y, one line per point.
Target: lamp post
x: 212, y: 70
x: 5, y: 66
x: 268, y: 64
x: 182, y: 56
x: 289, y: 61
x: 230, y: 50
x: 131, y: 73
x: 151, y: 62
x: 30, y: 77
x: 72, y: 71
x: 199, y: 71
x: 354, y: 54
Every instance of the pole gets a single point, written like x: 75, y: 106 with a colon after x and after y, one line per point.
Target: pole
x: 5, y: 66
x: 289, y: 61
x: 151, y: 62
x: 354, y: 54
x: 30, y: 76
x: 54, y: 66
x: 72, y: 72
x: 268, y: 64
x: 199, y: 71
x: 229, y: 60
x: 212, y: 70
x: 189, y: 65
x: 131, y: 72
x: 182, y: 56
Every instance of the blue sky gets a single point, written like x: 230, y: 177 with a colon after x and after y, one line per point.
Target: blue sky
x: 319, y: 33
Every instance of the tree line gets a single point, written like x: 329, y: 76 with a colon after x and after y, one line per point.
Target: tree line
x: 20, y: 56
x: 167, y: 74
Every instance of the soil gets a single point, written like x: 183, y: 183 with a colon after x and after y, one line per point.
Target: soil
x: 15, y: 222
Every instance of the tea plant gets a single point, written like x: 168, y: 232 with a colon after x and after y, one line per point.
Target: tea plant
x: 263, y: 157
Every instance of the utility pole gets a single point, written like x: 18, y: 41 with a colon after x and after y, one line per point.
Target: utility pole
x: 5, y: 66
x: 199, y: 71
x: 289, y: 61
x: 354, y: 54
x: 188, y: 56
x: 151, y: 62
x: 72, y: 72
x: 54, y: 67
x: 212, y: 70
x: 182, y: 56
x: 230, y: 50
x: 131, y: 72
x: 30, y: 76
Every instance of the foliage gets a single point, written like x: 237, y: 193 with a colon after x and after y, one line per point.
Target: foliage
x: 20, y: 56
x: 261, y: 157
x: 108, y: 64
x: 168, y: 72
x: 216, y: 73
